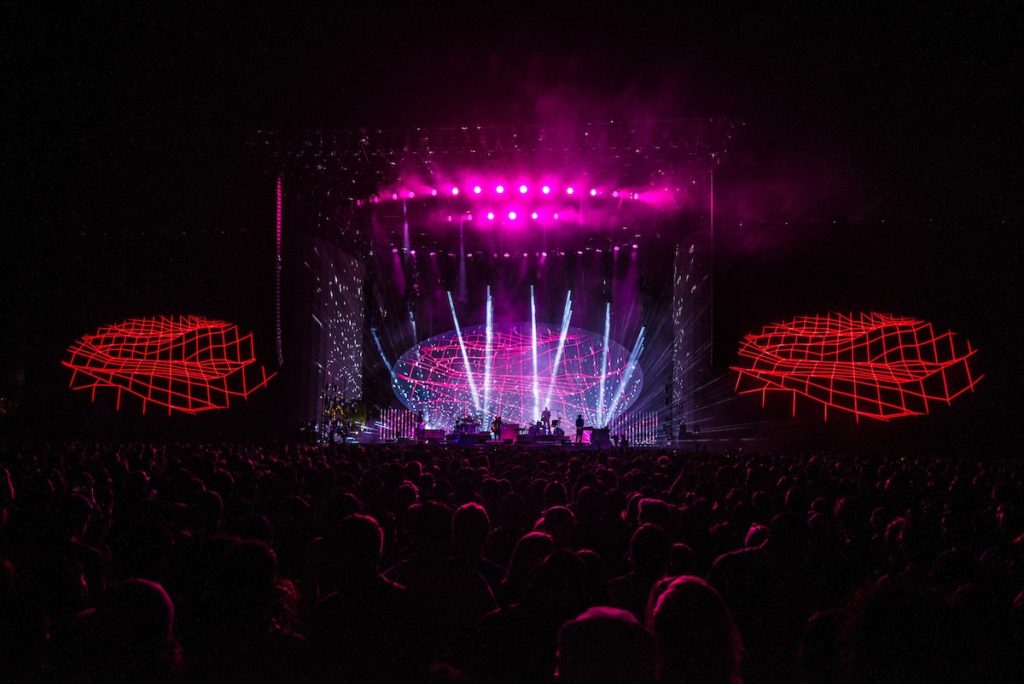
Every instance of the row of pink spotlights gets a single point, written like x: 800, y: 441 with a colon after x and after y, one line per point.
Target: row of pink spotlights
x: 501, y: 189
x: 512, y: 215
x: 412, y: 252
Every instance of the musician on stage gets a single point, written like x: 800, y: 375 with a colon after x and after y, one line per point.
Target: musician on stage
x: 579, y: 428
x: 496, y: 427
x: 420, y: 426
x: 545, y: 419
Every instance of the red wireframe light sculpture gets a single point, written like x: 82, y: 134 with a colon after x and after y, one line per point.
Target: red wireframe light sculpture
x: 187, y: 364
x: 871, y: 365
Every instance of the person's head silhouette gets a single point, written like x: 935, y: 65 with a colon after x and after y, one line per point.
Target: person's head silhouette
x: 604, y: 645
x: 696, y: 639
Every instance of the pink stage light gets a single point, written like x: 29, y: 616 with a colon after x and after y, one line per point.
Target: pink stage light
x: 490, y: 216
x: 534, y: 216
x: 522, y: 189
x: 546, y: 189
x: 433, y: 192
x: 477, y: 189
x: 555, y: 216
x: 615, y: 193
x: 636, y: 246
x: 593, y: 192
x: 500, y: 189
x: 394, y: 250
x: 512, y: 216
x: 455, y: 191
x: 569, y: 190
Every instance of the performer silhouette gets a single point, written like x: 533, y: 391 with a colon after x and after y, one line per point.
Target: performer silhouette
x: 579, y: 428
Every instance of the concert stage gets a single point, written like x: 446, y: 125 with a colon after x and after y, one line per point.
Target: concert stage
x: 428, y: 274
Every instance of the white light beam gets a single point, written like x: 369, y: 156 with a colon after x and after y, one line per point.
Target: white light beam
x: 566, y: 317
x: 488, y: 352
x: 465, y: 356
x: 384, y: 358
x: 536, y: 380
x: 604, y: 364
x: 634, y: 359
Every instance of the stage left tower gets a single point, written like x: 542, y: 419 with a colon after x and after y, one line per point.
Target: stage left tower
x: 319, y: 276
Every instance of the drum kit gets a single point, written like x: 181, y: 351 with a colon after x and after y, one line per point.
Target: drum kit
x: 467, y: 425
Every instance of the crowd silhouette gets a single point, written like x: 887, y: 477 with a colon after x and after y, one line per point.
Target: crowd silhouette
x: 240, y: 563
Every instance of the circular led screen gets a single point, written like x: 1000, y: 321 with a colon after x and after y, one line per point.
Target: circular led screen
x: 516, y: 374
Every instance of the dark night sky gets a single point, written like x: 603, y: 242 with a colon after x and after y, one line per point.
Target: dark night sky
x: 878, y: 168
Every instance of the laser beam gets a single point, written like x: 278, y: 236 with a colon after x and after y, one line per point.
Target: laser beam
x: 627, y: 374
x: 465, y: 356
x: 566, y: 317
x: 533, y: 344
x: 384, y: 358
x: 488, y: 352
x: 604, y: 365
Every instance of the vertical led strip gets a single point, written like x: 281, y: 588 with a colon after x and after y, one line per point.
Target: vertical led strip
x: 277, y: 273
